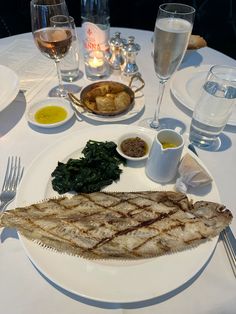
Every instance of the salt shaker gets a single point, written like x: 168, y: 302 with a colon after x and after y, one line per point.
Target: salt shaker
x: 117, y: 58
x: 131, y: 50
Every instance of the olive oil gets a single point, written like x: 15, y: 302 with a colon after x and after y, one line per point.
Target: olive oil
x: 50, y: 115
x: 168, y: 145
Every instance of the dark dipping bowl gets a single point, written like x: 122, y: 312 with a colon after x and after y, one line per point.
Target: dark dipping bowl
x: 146, y: 138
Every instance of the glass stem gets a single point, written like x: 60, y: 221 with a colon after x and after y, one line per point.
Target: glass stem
x: 155, y: 122
x: 60, y: 85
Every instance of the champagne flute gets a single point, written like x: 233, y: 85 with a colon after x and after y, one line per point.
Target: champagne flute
x: 171, y: 35
x: 54, y: 42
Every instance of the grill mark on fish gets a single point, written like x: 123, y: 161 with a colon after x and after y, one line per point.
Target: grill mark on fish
x: 164, y: 247
x: 168, y: 231
x: 119, y: 225
x: 126, y: 231
x: 47, y: 231
x: 62, y: 239
x: 140, y: 225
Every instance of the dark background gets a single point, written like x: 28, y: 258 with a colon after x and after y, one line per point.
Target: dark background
x: 215, y: 19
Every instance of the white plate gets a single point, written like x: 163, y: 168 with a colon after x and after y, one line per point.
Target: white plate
x: 138, y: 106
x: 9, y: 86
x: 111, y: 281
x: 51, y: 101
x: 186, y: 86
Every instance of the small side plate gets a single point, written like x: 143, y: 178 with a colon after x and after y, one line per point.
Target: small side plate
x: 52, y: 101
x: 9, y: 88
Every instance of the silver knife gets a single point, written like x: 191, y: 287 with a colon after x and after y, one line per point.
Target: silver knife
x: 228, y: 241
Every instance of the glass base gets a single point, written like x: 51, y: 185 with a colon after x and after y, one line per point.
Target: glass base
x: 67, y: 88
x: 205, y: 136
x: 58, y: 92
x: 71, y: 75
x: 206, y: 143
x: 164, y: 123
x: 148, y: 123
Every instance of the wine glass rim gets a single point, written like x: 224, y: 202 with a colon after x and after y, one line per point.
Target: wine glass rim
x: 66, y: 18
x: 34, y: 2
x: 191, y: 9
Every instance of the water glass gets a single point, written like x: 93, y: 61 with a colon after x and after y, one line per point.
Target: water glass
x: 214, y: 107
x: 70, y: 63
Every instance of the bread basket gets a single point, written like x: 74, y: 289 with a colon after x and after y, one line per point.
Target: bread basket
x: 102, y: 98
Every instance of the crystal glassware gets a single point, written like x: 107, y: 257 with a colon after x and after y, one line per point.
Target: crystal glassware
x: 53, y: 41
x: 171, y: 35
x: 69, y: 65
x: 214, y: 107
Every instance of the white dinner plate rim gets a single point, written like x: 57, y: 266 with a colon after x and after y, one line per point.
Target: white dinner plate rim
x: 178, y: 87
x: 109, y: 273
x: 60, y: 102
x: 14, y: 86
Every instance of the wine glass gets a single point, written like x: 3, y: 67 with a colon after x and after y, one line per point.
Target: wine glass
x: 54, y: 42
x: 171, y: 35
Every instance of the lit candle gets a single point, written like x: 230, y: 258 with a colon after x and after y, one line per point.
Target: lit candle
x: 95, y: 64
x: 96, y: 59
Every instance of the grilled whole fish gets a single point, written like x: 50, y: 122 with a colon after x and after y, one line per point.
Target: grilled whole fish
x: 106, y: 225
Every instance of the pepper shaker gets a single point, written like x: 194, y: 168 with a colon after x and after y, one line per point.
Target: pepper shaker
x: 116, y: 44
x: 131, y: 50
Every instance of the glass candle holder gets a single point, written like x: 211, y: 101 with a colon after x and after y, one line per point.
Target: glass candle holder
x: 96, y: 65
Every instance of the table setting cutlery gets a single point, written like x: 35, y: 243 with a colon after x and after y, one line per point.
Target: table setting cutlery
x: 75, y: 282
x: 228, y: 245
x: 180, y: 271
x: 12, y: 178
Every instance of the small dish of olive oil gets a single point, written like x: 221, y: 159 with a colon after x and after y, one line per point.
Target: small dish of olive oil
x: 50, y: 112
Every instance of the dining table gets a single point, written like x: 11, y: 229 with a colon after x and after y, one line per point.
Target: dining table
x: 25, y: 285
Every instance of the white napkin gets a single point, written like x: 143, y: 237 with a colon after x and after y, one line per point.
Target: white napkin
x: 191, y: 174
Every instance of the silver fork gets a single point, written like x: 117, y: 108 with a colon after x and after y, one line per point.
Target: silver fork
x: 225, y: 235
x: 12, y: 178
x: 229, y: 244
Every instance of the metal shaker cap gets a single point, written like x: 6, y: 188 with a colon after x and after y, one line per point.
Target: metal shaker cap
x: 116, y: 41
x: 131, y: 46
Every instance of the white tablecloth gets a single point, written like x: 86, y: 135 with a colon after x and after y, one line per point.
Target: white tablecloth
x: 23, y: 289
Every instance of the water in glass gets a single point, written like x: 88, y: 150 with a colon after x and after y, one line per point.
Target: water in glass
x: 214, y: 107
